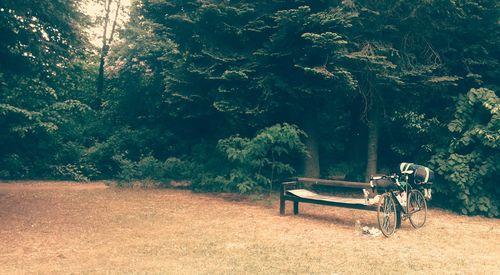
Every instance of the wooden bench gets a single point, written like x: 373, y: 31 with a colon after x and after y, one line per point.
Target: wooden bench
x: 292, y: 191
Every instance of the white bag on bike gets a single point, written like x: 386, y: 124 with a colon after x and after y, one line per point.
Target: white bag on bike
x: 418, y: 174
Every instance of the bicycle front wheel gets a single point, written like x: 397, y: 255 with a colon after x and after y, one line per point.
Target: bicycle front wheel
x: 417, y: 208
x: 386, y: 215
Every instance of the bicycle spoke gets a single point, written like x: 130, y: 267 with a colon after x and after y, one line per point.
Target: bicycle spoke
x: 387, y: 209
x: 418, y: 209
x: 386, y: 222
x: 386, y: 215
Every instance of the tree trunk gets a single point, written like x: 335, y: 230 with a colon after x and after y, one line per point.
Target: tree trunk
x: 372, y: 150
x: 100, y: 77
x: 311, y: 161
x: 104, y: 49
x: 106, y: 42
x: 357, y: 149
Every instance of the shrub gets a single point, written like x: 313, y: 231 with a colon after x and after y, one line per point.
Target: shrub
x: 13, y: 167
x: 127, y: 168
x: 69, y: 172
x: 209, y: 168
x: 469, y: 167
x: 178, y: 169
x: 257, y: 162
x: 129, y: 144
x: 151, y: 169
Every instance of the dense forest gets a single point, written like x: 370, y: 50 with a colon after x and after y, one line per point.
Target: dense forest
x: 235, y: 95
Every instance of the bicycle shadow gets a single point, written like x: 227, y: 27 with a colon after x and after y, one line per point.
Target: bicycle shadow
x: 342, y: 220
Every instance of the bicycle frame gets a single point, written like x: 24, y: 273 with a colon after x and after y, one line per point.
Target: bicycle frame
x: 403, y: 186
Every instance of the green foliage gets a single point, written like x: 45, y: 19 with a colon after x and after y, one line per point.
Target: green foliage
x: 14, y: 167
x: 177, y: 169
x: 209, y: 166
x: 42, y: 117
x: 350, y: 171
x: 259, y: 161
x: 128, y: 144
x: 73, y: 172
x: 150, y: 168
x: 470, y: 166
x: 423, y: 131
x: 211, y: 69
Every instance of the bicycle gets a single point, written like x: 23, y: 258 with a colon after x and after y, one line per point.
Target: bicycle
x: 402, y: 199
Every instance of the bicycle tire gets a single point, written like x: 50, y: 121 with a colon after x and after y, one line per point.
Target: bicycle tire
x: 386, y: 215
x: 417, y: 208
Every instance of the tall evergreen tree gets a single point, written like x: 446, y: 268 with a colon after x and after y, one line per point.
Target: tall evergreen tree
x: 40, y: 43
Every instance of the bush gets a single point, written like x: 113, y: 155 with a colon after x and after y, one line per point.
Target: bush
x: 208, y: 167
x: 257, y: 162
x: 469, y: 167
x: 150, y: 168
x: 177, y: 169
x: 126, y: 144
x: 69, y: 172
x: 13, y: 167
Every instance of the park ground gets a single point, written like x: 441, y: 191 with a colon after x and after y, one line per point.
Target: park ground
x: 91, y: 228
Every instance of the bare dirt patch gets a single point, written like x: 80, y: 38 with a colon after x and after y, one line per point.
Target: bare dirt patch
x: 50, y: 185
x: 55, y: 227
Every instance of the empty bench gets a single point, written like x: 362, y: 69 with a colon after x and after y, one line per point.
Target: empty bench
x: 294, y: 191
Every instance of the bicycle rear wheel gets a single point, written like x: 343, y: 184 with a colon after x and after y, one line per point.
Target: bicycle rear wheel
x: 417, y: 208
x: 386, y: 215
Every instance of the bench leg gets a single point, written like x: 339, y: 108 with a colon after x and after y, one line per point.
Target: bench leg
x: 295, y: 207
x: 282, y: 205
x: 282, y: 199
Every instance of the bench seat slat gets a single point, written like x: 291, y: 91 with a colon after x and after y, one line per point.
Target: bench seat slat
x: 335, y: 183
x: 306, y: 194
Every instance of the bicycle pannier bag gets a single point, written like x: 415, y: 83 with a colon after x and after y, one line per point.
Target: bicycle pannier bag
x: 383, y: 183
x: 418, y: 174
x: 423, y: 175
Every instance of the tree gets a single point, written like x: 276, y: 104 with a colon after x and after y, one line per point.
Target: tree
x: 389, y: 70
x: 303, y: 67
x: 407, y: 56
x: 107, y: 37
x: 39, y: 46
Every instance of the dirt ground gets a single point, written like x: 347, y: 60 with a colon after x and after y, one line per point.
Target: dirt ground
x: 64, y: 227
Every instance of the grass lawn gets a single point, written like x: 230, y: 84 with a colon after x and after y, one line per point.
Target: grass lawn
x: 62, y: 227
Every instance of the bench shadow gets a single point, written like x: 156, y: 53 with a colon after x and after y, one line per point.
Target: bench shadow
x: 340, y: 220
